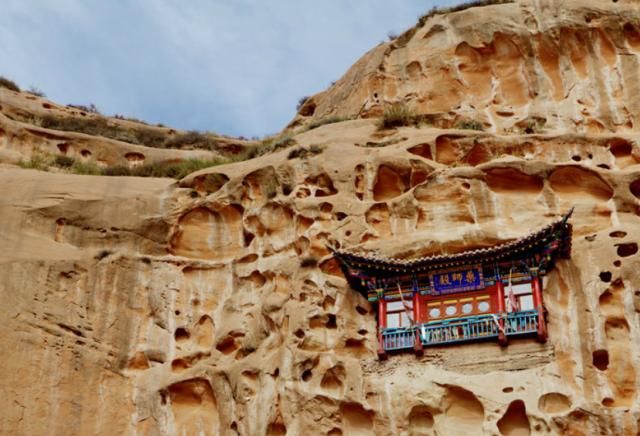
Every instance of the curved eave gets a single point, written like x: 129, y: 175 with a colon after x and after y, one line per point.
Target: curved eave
x: 531, y: 243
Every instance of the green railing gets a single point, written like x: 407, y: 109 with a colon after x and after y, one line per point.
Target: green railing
x: 460, y: 330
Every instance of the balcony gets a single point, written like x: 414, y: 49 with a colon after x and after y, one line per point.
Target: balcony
x: 460, y: 330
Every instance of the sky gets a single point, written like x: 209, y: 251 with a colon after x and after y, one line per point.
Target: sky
x: 236, y: 67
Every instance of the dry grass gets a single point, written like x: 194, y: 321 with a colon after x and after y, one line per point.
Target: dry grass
x: 466, y: 5
x: 470, y: 125
x: 9, y: 84
x: 37, y: 162
x: 327, y: 120
x: 144, y: 134
x: 301, y: 101
x: 101, y: 126
x: 175, y: 170
x: 91, y: 122
x: 303, y: 153
x: 397, y: 115
x: 192, y: 140
x: 35, y: 91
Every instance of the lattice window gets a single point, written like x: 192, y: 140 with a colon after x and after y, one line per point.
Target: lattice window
x: 523, y: 295
x: 397, y: 315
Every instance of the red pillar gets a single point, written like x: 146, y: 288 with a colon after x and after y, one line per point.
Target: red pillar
x: 502, y: 337
x: 536, y: 290
x: 382, y: 323
x: 417, y: 345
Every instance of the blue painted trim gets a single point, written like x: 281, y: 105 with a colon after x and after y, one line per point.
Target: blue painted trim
x: 460, y: 330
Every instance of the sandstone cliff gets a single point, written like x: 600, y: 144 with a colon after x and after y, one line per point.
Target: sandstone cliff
x: 211, y: 305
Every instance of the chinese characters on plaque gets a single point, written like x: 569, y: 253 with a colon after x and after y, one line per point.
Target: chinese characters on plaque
x: 447, y: 282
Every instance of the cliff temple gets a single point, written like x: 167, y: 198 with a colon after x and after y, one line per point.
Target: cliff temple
x: 481, y: 294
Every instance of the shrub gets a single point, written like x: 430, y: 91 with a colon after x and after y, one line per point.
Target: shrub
x: 62, y: 161
x: 302, y: 152
x: 280, y: 143
x: 295, y: 153
x: 327, y: 120
x: 9, y: 84
x: 397, y: 115
x: 37, y: 162
x: 372, y: 144
x: 116, y: 170
x: 192, y: 139
x: 532, y: 125
x: 100, y: 126
x: 316, y: 148
x: 269, y: 145
x: 301, y: 102
x: 149, y: 137
x: 447, y: 10
x: 87, y: 168
x: 144, y: 134
x: 92, y: 108
x: 35, y: 91
x: 175, y: 170
x: 469, y: 125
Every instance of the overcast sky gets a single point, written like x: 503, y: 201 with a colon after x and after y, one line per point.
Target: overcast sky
x: 230, y: 66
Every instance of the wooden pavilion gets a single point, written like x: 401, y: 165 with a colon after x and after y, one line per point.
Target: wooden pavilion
x: 494, y: 292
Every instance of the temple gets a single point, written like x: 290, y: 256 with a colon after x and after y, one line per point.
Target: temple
x: 489, y: 293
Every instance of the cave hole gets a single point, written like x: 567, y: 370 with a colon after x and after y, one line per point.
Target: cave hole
x: 605, y: 276
x: 634, y: 187
x: 618, y: 234
x: 601, y: 359
x: 331, y: 321
x: 306, y: 375
x: 361, y: 310
x: 628, y: 249
x: 621, y: 149
x: 181, y: 334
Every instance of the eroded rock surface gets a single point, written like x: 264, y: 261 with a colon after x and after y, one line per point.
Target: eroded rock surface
x: 213, y: 306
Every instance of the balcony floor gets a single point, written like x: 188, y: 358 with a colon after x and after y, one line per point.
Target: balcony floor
x: 458, y: 330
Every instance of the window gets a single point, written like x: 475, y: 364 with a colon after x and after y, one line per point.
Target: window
x: 526, y: 302
x: 522, y: 295
x: 397, y: 314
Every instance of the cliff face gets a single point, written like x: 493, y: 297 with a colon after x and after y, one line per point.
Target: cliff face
x: 568, y: 65
x: 212, y: 305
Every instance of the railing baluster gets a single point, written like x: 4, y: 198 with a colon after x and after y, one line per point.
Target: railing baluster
x: 479, y: 326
